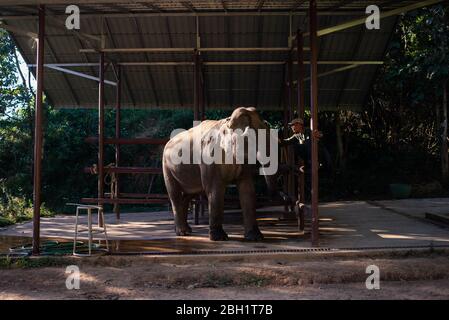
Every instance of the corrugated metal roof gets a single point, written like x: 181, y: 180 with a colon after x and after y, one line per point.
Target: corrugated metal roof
x: 114, y: 6
x: 226, y: 86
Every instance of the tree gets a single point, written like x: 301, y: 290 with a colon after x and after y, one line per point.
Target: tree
x: 425, y: 37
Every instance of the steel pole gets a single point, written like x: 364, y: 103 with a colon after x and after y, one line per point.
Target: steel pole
x: 301, y: 112
x: 314, y: 117
x: 101, y: 128
x: 284, y: 151
x: 37, y: 174
x: 201, y: 90
x: 196, y: 116
x: 203, y: 117
x: 196, y: 84
x: 117, y: 136
x: 291, y: 155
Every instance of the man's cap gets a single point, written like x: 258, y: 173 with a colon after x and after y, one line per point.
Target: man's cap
x: 296, y: 120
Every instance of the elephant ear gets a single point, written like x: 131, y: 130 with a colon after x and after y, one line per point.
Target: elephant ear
x: 226, y: 139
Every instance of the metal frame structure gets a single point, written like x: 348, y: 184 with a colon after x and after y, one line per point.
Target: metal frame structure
x: 97, y: 47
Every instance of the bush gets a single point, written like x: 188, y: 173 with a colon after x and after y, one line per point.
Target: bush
x: 17, y: 209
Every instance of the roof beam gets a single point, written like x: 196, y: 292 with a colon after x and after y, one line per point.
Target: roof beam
x: 268, y: 63
x: 217, y: 63
x: 75, y: 64
x: 190, y: 50
x: 384, y: 14
x: 334, y: 71
x: 161, y: 13
x: 79, y: 74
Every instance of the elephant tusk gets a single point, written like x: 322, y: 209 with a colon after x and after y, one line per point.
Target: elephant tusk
x: 246, y: 132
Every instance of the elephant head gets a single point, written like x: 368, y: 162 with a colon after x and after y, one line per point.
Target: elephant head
x: 247, y: 132
x: 245, y: 118
x: 239, y: 135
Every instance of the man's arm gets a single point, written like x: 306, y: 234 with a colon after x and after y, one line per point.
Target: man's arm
x: 317, y: 134
x: 288, y: 142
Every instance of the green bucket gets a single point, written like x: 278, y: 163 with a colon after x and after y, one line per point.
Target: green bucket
x: 400, y: 190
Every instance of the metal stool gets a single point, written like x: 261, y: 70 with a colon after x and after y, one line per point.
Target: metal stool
x: 100, y: 229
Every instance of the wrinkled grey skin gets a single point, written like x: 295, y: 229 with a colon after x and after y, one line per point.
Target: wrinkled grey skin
x: 184, y: 181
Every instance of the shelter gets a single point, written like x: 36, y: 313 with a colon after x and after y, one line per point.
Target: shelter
x: 199, y: 54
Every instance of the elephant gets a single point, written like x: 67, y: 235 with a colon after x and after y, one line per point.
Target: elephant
x: 186, y: 180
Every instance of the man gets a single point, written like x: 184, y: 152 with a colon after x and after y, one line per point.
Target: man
x: 300, y: 139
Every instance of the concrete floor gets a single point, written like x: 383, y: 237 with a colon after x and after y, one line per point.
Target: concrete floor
x: 355, y: 224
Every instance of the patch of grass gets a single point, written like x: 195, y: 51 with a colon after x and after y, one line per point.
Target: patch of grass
x: 253, y: 280
x: 32, y: 262
x: 4, y: 222
x: 5, y: 262
x: 214, y: 280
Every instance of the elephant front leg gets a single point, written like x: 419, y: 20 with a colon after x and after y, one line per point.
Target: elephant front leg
x: 216, y: 212
x: 247, y: 195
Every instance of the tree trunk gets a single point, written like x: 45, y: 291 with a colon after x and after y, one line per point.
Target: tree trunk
x: 444, y: 148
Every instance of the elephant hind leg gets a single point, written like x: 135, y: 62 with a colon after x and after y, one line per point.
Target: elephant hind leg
x: 180, y: 205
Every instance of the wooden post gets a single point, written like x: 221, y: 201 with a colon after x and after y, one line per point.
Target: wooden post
x: 196, y: 84
x: 313, y: 26
x: 101, y: 129
x: 201, y: 90
x: 37, y: 167
x: 117, y: 136
x: 196, y: 116
x: 291, y: 154
x: 301, y: 112
x: 203, y: 117
x: 444, y: 139
x: 284, y: 152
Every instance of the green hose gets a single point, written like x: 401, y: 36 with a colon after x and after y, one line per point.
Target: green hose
x: 54, y: 248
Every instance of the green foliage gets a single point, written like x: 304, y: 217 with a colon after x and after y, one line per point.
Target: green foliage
x: 32, y: 262
x: 17, y: 209
x: 396, y: 137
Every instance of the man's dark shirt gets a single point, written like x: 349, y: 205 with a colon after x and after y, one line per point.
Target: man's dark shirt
x: 301, y: 144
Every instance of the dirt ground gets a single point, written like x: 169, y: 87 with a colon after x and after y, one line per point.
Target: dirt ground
x: 409, y: 275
